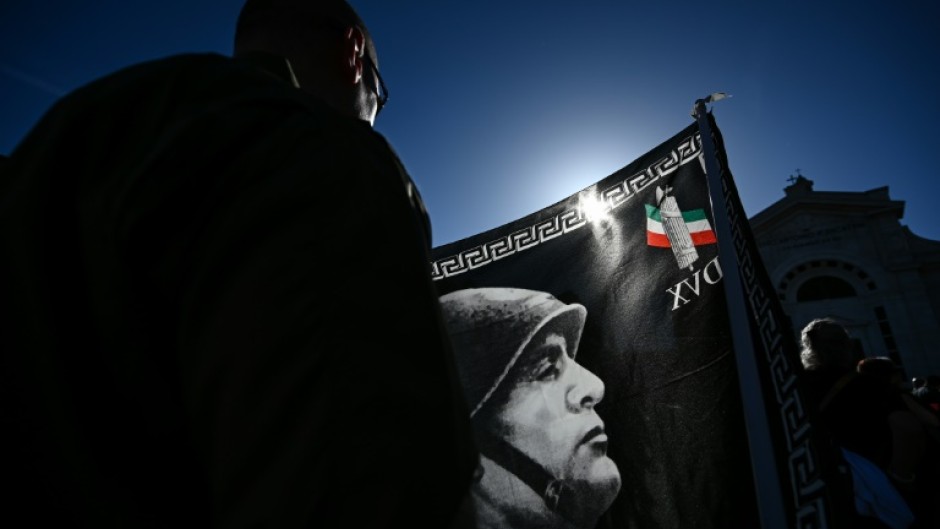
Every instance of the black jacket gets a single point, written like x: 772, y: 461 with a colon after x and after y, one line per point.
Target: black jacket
x: 216, y: 310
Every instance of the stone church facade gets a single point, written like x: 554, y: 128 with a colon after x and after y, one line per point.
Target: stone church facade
x: 846, y: 255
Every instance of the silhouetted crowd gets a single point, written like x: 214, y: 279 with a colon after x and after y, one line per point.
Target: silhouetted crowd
x: 887, y: 435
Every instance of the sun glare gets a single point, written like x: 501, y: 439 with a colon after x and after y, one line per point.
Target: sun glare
x: 594, y: 209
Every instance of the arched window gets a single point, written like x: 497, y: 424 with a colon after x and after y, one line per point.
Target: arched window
x: 824, y: 287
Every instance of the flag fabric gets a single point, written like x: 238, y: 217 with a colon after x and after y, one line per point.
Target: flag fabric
x: 654, y: 359
x: 655, y: 334
x: 815, y: 482
x: 696, y: 223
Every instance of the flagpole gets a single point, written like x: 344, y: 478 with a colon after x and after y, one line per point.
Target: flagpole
x: 763, y: 460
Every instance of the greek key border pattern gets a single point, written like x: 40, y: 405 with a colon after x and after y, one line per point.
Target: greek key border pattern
x: 569, y: 220
x: 807, y: 487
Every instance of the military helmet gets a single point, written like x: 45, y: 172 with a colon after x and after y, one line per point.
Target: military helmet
x: 491, y: 328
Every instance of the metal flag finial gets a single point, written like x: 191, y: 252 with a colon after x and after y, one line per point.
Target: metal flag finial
x: 711, y: 98
x: 717, y: 96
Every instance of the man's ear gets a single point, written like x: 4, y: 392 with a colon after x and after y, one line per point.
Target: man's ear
x: 354, y: 47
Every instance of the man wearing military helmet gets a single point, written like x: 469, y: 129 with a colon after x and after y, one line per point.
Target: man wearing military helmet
x: 543, y: 447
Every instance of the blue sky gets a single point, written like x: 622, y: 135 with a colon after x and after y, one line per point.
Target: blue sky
x: 500, y: 108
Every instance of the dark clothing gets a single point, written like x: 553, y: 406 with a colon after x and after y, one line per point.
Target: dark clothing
x: 854, y: 410
x: 217, y: 311
x: 929, y: 397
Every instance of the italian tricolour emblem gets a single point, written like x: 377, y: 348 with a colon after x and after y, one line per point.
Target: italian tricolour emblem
x: 669, y: 227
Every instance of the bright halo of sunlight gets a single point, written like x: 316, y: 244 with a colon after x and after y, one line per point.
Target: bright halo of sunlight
x: 594, y: 209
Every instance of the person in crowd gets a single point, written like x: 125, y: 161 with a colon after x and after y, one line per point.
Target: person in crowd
x: 192, y: 248
x: 883, y: 368
x: 861, y: 410
x: 914, y: 434
x: 928, y: 393
x: 543, y: 447
x: 854, y: 409
x: 920, y: 439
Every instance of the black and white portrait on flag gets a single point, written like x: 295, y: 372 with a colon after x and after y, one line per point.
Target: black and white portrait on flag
x: 606, y: 313
x: 543, y: 448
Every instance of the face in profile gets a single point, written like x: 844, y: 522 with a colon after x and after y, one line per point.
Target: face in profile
x: 549, y: 415
x: 543, y: 449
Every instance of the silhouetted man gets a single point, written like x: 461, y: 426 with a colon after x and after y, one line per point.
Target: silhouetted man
x: 215, y: 298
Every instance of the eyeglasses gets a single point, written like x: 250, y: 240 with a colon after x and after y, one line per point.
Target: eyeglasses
x: 382, y: 93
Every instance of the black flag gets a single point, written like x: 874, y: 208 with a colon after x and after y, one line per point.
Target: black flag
x: 594, y: 344
x: 812, y: 479
x: 637, y: 251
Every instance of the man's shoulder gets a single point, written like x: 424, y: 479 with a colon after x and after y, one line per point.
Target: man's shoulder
x: 203, y: 77
x: 162, y: 91
x: 205, y: 91
x: 213, y: 100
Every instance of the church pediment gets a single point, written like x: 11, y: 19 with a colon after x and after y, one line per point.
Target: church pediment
x: 803, y: 210
x: 808, y: 227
